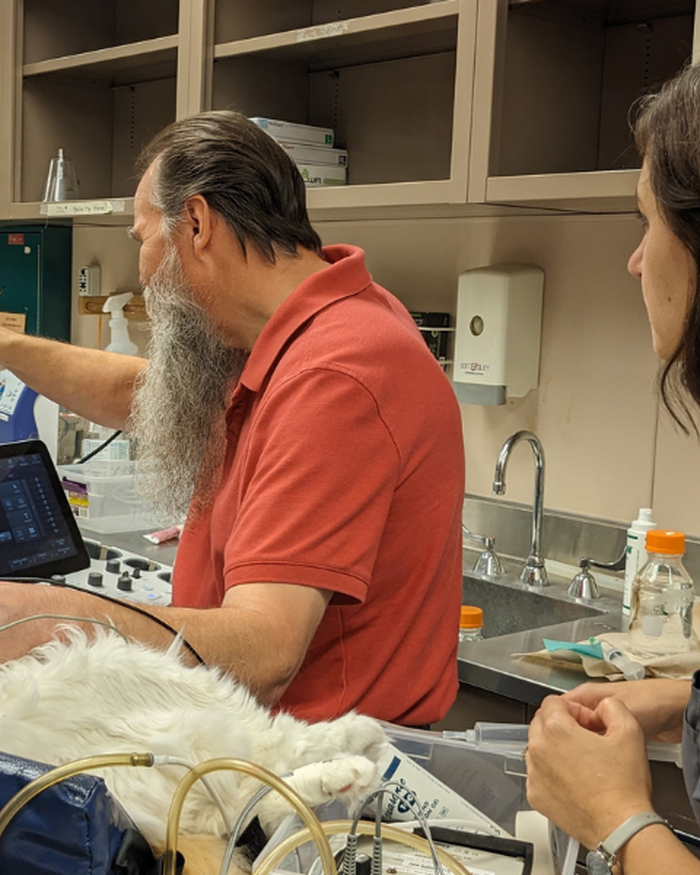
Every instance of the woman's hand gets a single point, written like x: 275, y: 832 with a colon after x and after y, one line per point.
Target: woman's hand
x: 656, y: 703
x: 587, y: 770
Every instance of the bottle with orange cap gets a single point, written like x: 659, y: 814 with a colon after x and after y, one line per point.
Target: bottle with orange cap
x: 661, y: 613
x: 471, y: 622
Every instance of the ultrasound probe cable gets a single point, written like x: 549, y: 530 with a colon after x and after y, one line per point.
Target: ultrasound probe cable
x: 53, y: 581
x: 93, y: 620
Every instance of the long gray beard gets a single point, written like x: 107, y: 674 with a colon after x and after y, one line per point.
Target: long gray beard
x: 178, y: 413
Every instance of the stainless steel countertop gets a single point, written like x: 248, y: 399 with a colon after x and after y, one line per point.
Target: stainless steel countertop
x: 134, y: 542
x: 490, y: 664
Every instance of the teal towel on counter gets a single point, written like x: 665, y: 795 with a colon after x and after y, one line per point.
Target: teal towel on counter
x: 592, y: 649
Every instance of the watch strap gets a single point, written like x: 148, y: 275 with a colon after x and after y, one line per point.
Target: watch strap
x: 620, y: 836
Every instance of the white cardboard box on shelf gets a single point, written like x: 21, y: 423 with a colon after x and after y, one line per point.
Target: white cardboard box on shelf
x: 281, y: 130
x: 304, y: 154
x: 322, y: 174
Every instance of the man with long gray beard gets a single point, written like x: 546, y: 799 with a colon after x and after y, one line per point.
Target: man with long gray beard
x: 292, y: 410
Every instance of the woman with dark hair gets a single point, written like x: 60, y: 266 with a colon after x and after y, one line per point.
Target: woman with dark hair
x: 586, y: 757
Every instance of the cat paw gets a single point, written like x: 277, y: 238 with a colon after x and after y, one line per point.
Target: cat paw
x: 360, y: 735
x: 349, y: 778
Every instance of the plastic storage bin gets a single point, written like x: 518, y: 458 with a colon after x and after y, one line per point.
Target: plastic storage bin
x: 103, y: 497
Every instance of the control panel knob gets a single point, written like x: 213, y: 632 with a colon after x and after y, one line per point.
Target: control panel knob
x: 136, y: 573
x: 124, y: 582
x: 94, y: 578
x: 113, y: 566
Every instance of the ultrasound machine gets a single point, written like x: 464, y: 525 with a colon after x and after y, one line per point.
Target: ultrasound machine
x: 40, y: 540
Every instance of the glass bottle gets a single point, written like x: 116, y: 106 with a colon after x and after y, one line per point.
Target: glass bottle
x: 661, y: 613
x: 471, y: 621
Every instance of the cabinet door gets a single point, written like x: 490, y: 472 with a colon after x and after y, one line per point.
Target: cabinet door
x: 35, y: 273
x: 20, y: 276
x: 555, y: 81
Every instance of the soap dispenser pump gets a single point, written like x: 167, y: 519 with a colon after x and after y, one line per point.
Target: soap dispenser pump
x: 118, y: 324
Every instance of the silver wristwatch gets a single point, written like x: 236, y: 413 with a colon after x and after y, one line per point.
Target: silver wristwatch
x: 601, y: 860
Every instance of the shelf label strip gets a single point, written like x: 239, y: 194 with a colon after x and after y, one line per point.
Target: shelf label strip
x: 321, y: 31
x: 82, y: 208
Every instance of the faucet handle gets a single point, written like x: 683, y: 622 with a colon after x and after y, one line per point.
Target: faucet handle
x: 584, y: 585
x: 488, y: 563
x: 617, y: 565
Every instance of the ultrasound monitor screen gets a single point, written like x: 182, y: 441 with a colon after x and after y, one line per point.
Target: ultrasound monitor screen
x: 38, y: 534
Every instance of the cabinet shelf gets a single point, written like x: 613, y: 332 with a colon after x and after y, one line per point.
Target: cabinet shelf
x: 385, y: 36
x: 602, y: 191
x: 554, y: 83
x: 52, y: 31
x: 124, y: 64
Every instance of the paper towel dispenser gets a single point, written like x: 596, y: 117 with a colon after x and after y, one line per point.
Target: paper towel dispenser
x: 497, y: 333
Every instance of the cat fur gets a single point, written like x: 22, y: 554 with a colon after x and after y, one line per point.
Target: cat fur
x: 80, y: 696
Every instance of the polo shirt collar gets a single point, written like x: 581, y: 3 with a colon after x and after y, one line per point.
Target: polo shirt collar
x: 346, y: 275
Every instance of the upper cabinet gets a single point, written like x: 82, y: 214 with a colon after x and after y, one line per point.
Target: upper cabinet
x: 393, y: 78
x: 442, y: 105
x: 554, y: 84
x: 96, y: 79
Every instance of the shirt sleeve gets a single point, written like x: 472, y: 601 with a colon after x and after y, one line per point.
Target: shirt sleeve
x: 319, y: 474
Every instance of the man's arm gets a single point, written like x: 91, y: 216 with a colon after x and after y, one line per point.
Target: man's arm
x: 95, y: 384
x: 260, y: 634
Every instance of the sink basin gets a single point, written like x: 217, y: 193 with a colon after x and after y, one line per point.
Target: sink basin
x: 509, y: 608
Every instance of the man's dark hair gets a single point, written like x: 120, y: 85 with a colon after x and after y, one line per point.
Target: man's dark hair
x: 667, y: 134
x: 242, y: 173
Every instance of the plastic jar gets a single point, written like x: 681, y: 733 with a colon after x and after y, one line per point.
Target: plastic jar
x: 471, y: 622
x: 661, y: 613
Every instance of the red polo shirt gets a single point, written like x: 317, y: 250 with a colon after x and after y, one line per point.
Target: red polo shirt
x: 344, y: 471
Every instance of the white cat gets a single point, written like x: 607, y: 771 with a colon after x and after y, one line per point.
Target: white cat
x: 77, y: 697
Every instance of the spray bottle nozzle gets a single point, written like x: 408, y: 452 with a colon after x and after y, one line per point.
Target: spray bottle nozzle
x: 114, y: 304
x: 120, y: 340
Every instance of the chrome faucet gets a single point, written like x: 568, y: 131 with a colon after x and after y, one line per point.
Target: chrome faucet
x: 488, y: 563
x: 534, y: 573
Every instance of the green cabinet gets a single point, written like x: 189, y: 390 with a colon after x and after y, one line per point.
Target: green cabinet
x: 35, y: 277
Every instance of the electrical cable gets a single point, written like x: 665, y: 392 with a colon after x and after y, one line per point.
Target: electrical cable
x: 96, y: 622
x: 339, y: 827
x: 130, y: 605
x: 99, y: 449
x: 476, y: 826
x: 376, y: 867
x: 410, y: 799
x: 313, y: 827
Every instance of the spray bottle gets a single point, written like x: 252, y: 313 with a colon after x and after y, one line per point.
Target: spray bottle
x: 95, y: 436
x: 118, y: 324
